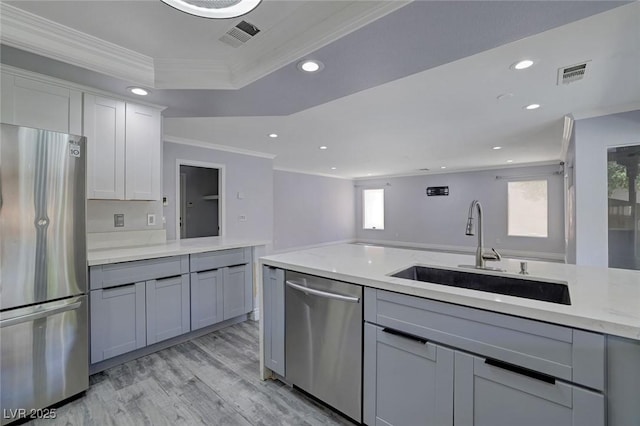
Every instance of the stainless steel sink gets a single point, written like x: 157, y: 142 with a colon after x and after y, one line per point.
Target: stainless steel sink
x: 511, y: 286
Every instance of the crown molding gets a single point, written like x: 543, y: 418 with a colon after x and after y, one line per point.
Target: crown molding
x: 71, y: 85
x: 341, y: 23
x: 460, y: 170
x: 30, y: 32
x: 208, y: 145
x: 304, y: 172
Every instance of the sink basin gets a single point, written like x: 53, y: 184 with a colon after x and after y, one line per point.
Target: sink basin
x: 511, y: 286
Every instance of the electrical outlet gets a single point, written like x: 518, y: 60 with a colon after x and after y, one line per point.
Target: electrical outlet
x: 242, y: 218
x: 151, y: 219
x: 118, y: 220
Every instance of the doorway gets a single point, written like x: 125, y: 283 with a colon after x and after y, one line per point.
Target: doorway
x: 199, y: 199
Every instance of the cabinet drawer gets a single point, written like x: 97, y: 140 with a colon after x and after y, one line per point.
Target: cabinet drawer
x: 104, y: 276
x: 573, y: 355
x: 218, y: 259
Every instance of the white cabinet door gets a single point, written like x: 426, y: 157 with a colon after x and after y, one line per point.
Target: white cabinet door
x: 104, y: 127
x: 33, y: 103
x: 143, y: 151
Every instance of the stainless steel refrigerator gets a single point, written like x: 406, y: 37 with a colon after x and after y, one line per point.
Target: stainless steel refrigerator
x: 43, y: 269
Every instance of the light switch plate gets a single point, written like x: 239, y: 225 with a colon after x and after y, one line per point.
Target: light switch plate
x: 118, y: 220
x: 242, y: 218
x: 151, y: 219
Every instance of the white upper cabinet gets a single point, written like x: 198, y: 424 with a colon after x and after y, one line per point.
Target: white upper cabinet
x: 104, y: 127
x: 124, y: 148
x: 33, y: 103
x: 143, y: 150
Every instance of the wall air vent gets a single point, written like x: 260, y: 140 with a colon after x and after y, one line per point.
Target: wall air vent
x: 424, y: 170
x: 240, y: 34
x: 572, y: 73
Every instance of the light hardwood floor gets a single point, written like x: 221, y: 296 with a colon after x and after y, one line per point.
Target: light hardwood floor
x: 211, y: 380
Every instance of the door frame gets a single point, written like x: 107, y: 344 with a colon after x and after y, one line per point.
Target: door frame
x: 221, y: 192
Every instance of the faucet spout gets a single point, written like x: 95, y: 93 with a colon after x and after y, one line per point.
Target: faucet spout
x: 480, y: 257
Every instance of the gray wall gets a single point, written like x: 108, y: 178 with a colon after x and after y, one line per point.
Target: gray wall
x: 411, y: 216
x: 100, y: 215
x: 252, y: 176
x: 310, y: 210
x: 592, y: 138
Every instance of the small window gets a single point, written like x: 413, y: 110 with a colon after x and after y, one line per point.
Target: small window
x: 527, y: 209
x: 373, y: 209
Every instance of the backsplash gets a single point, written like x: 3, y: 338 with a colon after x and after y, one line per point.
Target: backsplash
x: 100, y: 215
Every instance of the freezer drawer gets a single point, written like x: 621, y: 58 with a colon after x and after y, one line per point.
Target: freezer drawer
x: 44, y: 354
x: 323, y: 340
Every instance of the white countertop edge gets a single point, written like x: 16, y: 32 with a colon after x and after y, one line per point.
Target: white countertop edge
x: 543, y: 311
x: 171, y: 248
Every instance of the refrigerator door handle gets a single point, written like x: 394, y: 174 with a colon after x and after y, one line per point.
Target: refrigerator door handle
x: 41, y: 313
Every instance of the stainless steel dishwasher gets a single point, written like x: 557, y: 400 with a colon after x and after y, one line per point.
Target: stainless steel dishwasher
x: 324, y: 340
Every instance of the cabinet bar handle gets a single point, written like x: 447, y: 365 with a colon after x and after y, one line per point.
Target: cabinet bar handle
x: 405, y: 335
x: 521, y: 370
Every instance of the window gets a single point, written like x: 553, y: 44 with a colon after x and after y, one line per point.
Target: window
x: 527, y: 209
x: 373, y: 209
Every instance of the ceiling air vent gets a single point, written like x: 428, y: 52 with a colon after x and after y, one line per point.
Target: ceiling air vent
x: 424, y: 170
x: 240, y: 34
x: 572, y: 73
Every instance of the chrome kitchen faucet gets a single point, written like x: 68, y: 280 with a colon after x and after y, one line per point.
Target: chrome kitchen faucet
x: 481, y: 256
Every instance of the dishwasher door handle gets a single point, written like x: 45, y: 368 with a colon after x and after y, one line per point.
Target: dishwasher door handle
x: 320, y: 293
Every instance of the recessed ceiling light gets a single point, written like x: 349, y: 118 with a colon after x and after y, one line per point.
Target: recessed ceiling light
x: 443, y: 167
x: 273, y: 135
x: 322, y: 147
x: 138, y: 91
x: 532, y: 106
x: 219, y: 9
x: 310, y: 65
x: 497, y: 147
x: 333, y: 168
x: 369, y: 174
x: 509, y: 161
x: 522, y: 65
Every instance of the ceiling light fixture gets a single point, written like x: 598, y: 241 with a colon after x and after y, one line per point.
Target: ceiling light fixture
x: 532, y: 106
x: 310, y: 65
x: 509, y: 161
x: 443, y: 167
x: 273, y: 135
x: 522, y: 65
x: 214, y: 9
x: 333, y: 168
x: 497, y: 147
x: 138, y: 91
x: 322, y: 147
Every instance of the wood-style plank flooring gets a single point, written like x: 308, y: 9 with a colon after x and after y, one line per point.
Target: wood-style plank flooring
x: 211, y: 380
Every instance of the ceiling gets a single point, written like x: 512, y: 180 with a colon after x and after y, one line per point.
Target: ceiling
x: 404, y: 87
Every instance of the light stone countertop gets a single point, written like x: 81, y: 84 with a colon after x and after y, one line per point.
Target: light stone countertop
x: 168, y: 248
x: 602, y: 300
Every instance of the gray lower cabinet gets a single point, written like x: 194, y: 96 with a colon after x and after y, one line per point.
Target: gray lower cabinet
x: 168, y: 308
x: 118, y: 321
x: 237, y: 290
x: 220, y: 294
x: 489, y: 393
x: 273, y: 303
x: 407, y: 380
x: 206, y: 298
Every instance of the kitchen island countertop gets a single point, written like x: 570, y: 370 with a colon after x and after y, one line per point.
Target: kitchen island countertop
x: 166, y: 249
x: 603, y: 300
